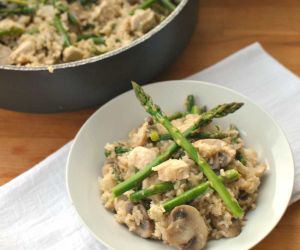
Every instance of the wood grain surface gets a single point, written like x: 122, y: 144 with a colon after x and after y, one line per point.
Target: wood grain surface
x: 224, y: 26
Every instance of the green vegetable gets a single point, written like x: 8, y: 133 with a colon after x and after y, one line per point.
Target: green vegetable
x: 189, y: 103
x: 87, y: 2
x: 18, y: 2
x: 88, y: 26
x: 168, y: 4
x: 230, y: 176
x: 61, y: 7
x: 199, y: 135
x: 154, y: 189
x: 142, y: 174
x: 11, y: 32
x: 72, y: 19
x: 16, y: 11
x: 107, y: 153
x: 155, y: 111
x: 144, y: 5
x: 96, y: 39
x: 176, y: 115
x: 240, y: 157
x: 206, y: 118
x: 196, y: 110
x: 154, y: 136
x: 207, y: 135
x: 61, y: 29
x: 121, y: 150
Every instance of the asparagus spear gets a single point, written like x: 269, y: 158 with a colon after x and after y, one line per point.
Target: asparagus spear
x: 189, y: 103
x: 196, y: 110
x: 12, y: 31
x: 96, y: 39
x: 143, y: 5
x: 198, y: 135
x: 206, y: 118
x: 229, y: 176
x: 176, y: 115
x: 118, y: 150
x: 87, y: 2
x: 155, y: 111
x: 16, y: 11
x: 19, y: 2
x: 61, y: 29
x: 146, y: 4
x: 72, y: 19
x: 154, y: 189
x: 121, y: 150
x: 207, y: 135
x: 240, y: 157
x: 168, y: 4
x: 142, y: 174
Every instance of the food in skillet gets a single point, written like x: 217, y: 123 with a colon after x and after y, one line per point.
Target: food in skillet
x: 46, y: 32
x: 181, y: 179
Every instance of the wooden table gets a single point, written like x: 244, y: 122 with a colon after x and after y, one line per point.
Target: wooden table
x: 224, y: 26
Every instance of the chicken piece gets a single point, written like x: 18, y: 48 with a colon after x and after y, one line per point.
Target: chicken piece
x: 139, y: 157
x: 172, y: 170
x: 218, y: 153
x: 139, y: 137
x: 5, y: 55
x: 142, y: 20
x: 104, y: 12
x: 46, y: 12
x: 185, y: 122
x: 71, y: 54
x: 23, y: 54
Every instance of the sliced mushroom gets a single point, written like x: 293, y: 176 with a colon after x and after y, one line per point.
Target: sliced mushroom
x: 233, y: 230
x: 145, y: 228
x: 134, y: 216
x: 187, y: 229
x: 219, y: 160
x: 218, y: 153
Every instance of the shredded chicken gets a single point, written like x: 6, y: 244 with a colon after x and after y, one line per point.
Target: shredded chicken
x: 172, y: 170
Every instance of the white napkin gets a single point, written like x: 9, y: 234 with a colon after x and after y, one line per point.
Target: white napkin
x: 35, y: 212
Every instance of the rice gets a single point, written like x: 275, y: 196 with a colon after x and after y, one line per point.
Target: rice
x: 64, y: 31
x: 219, y: 221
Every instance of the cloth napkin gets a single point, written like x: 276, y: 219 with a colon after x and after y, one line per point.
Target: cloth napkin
x: 35, y: 211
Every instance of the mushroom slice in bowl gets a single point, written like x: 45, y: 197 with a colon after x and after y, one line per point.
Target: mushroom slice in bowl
x: 187, y: 229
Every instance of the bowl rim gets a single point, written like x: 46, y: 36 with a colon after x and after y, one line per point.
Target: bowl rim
x: 142, y: 39
x: 287, y: 197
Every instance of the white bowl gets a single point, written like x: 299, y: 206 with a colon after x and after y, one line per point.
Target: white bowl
x: 116, y: 118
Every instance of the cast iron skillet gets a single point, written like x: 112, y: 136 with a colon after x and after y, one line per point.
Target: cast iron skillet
x: 95, y: 80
